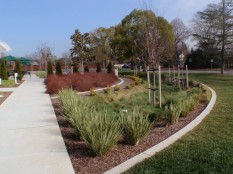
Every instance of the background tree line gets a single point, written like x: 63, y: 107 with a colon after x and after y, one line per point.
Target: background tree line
x: 213, y: 31
x: 140, y: 38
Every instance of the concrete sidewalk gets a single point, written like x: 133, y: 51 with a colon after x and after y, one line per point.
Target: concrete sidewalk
x: 30, y: 138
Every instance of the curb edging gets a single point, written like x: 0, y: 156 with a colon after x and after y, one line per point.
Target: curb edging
x: 165, y: 143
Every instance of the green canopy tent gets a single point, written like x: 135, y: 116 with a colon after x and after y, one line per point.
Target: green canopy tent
x: 9, y: 58
x: 24, y: 61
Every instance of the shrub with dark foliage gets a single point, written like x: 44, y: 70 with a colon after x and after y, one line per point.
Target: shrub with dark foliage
x: 49, y: 69
x: 75, y: 67
x: 18, y: 70
x: 3, y: 70
x: 79, y: 82
x: 86, y: 69
x: 58, y: 68
x: 110, y: 67
x: 98, y: 67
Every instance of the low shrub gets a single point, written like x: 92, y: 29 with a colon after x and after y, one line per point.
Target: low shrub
x: 79, y: 82
x: 136, y: 126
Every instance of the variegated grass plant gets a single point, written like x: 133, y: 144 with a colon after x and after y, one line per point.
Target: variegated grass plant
x: 136, y: 126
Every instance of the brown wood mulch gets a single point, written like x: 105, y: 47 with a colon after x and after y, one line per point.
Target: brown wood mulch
x: 84, y: 163
x: 5, y: 95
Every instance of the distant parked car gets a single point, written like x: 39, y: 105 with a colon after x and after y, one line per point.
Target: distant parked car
x: 126, y: 66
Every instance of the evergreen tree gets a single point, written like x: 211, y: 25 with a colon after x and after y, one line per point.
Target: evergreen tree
x: 86, y: 69
x: 58, y: 68
x: 18, y: 70
x: 3, y: 71
x: 50, y: 69
x: 75, y: 67
x: 213, y: 29
x: 98, y: 67
x: 110, y: 67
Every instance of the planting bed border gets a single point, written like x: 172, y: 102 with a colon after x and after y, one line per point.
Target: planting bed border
x: 162, y: 145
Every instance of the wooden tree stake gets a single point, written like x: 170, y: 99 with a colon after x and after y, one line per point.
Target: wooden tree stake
x: 154, y: 92
x: 169, y: 74
x: 148, y: 80
x: 174, y: 74
x: 187, y: 77
x: 178, y: 80
x: 160, y: 86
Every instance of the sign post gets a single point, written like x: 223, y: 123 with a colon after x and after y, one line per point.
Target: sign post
x: 211, y: 62
x: 190, y: 61
x: 16, y: 75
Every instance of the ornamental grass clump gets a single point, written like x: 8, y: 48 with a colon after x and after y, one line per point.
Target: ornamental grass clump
x: 100, y: 131
x: 107, y: 90
x: 137, y: 80
x: 117, y: 88
x: 93, y: 92
x: 74, y: 107
x: 68, y: 100
x: 187, y: 106
x: 136, y: 126
x: 173, y: 112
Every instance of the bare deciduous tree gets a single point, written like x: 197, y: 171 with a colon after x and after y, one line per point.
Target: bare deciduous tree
x: 181, y: 34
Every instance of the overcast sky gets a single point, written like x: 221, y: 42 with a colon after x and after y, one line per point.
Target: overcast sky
x: 27, y: 24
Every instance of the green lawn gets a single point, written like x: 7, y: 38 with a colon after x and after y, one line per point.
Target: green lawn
x: 209, y: 147
x: 7, y: 83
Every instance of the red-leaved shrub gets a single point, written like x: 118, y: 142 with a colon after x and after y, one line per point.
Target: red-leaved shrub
x: 78, y: 81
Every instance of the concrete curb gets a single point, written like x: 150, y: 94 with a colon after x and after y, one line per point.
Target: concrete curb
x: 97, y: 90
x: 162, y: 145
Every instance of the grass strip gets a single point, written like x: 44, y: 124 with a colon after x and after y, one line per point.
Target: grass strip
x: 208, y: 148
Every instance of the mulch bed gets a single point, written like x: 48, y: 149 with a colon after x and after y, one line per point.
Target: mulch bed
x: 4, y: 95
x: 84, y: 163
x: 7, y: 94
